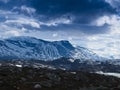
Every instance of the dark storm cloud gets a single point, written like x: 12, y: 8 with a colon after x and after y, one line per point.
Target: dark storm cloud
x: 83, y: 11
x: 72, y: 6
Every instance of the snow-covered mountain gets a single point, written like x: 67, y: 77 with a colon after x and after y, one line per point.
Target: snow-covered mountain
x: 32, y: 48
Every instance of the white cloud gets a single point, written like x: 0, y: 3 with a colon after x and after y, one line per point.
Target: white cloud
x: 25, y: 9
x: 5, y: 1
x: 106, y: 45
x: 114, y: 3
x: 29, y: 10
x: 13, y: 25
x: 57, y: 21
x: 55, y: 35
x: 23, y: 21
x: 110, y: 20
x: 7, y: 31
x: 12, y: 33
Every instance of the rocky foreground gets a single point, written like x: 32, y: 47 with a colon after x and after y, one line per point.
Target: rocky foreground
x: 26, y: 78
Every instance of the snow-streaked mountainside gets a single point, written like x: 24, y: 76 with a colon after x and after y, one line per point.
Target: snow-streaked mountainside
x: 32, y: 48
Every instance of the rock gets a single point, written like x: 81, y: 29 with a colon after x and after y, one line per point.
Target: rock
x: 37, y: 86
x: 1, y: 83
x: 46, y: 83
x: 53, y: 77
x: 23, y: 79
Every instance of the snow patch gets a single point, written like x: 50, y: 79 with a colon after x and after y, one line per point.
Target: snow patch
x: 109, y: 74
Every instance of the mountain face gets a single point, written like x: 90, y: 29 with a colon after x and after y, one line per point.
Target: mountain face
x: 32, y: 48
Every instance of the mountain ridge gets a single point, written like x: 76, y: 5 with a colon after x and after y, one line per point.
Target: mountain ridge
x: 24, y: 47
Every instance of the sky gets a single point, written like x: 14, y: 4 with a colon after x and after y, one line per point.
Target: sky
x: 94, y: 24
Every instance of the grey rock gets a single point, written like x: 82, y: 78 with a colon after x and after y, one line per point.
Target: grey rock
x: 37, y: 86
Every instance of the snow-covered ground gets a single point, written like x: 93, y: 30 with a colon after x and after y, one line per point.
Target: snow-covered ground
x: 109, y: 74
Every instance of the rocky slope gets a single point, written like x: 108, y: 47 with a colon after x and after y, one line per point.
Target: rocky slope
x: 13, y: 78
